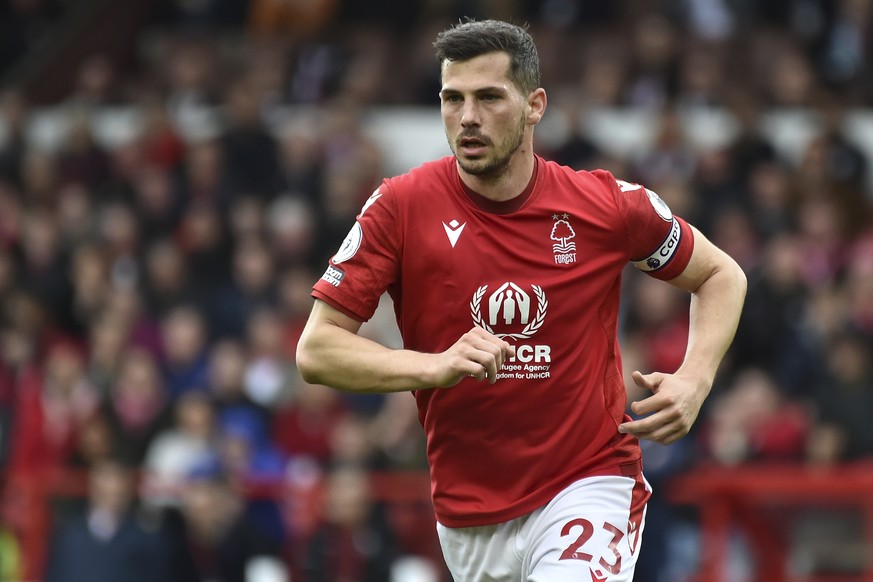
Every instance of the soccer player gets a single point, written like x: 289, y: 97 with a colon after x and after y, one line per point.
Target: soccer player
x: 506, y: 267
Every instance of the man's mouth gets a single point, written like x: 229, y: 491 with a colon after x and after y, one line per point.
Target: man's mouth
x: 472, y: 146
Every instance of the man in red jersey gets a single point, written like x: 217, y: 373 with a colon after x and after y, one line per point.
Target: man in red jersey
x: 506, y: 267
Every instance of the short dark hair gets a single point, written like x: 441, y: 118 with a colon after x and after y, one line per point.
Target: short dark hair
x: 472, y: 38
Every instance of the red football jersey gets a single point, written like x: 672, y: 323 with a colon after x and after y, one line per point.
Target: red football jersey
x: 543, y: 272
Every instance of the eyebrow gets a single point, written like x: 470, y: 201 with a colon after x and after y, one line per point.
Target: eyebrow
x: 479, y: 90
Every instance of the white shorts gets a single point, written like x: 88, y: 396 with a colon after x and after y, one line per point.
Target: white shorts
x: 589, y: 532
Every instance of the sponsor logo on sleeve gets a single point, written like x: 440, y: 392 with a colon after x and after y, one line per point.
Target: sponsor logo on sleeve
x: 660, y: 206
x: 333, y: 276
x: 352, y: 242
x: 350, y: 245
x: 659, y: 258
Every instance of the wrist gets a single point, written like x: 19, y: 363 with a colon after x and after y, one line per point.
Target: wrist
x: 702, y: 378
x: 423, y: 371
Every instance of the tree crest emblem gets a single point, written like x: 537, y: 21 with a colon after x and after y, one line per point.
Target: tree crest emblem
x: 562, y: 233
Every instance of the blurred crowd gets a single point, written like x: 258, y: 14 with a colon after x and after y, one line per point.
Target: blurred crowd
x: 153, y: 289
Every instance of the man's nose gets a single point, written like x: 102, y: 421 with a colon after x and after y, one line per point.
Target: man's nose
x: 470, y: 114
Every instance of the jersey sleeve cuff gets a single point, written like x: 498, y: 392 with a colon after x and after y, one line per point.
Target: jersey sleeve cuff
x: 338, y: 306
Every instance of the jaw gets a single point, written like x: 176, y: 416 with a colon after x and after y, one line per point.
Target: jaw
x: 473, y: 160
x: 484, y: 168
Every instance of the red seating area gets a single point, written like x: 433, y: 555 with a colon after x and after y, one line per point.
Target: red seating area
x: 747, y: 497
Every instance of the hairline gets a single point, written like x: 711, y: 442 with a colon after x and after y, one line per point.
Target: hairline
x: 507, y: 38
x: 507, y: 73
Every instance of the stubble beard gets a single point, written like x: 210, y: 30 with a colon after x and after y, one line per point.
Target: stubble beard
x: 491, y: 168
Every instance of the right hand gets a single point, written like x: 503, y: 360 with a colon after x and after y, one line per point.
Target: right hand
x: 477, y: 354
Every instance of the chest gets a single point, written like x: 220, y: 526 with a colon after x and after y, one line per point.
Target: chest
x: 509, y: 273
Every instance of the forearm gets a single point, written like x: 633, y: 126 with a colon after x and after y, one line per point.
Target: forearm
x: 718, y: 288
x: 714, y: 314
x: 331, y: 355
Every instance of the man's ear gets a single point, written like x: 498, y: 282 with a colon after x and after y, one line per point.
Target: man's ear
x: 536, y: 103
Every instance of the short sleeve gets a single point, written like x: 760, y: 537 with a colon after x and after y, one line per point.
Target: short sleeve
x: 366, y: 263
x: 659, y: 242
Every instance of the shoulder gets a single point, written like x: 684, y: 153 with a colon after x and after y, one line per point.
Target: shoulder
x: 595, y: 189
x: 590, y: 179
x: 428, y: 175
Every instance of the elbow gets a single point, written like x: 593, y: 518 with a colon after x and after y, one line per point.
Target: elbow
x: 731, y: 278
x: 307, y: 362
x: 741, y: 281
x: 309, y: 375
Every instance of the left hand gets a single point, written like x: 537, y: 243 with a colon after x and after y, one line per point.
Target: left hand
x: 669, y: 412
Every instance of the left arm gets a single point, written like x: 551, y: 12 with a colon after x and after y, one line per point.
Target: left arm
x: 718, y: 288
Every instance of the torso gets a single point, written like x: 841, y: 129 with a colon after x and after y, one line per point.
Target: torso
x: 545, y: 277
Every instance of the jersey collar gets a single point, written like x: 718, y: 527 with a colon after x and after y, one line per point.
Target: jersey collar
x: 507, y: 206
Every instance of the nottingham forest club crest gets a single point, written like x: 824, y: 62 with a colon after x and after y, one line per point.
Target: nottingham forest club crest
x: 563, y: 235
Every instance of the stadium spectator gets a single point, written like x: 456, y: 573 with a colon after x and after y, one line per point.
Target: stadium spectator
x: 13, y: 107
x: 300, y: 159
x: 176, y: 451
x: 654, y: 64
x: 75, y: 214
x: 250, y: 151
x: 768, y: 331
x: 292, y: 231
x: 304, y: 425
x: 158, y: 208
x: 251, y: 286
x: 394, y: 432
x: 353, y: 540
x: 81, y: 160
x: 269, y: 376
x: 754, y: 421
x: 227, y: 367
x: 202, y: 236
x: 251, y: 461
x: 185, y: 337
x: 54, y: 401
x: 167, y: 284
x: 217, y: 541
x: 106, y: 542
x: 89, y: 275
x: 96, y: 85
x: 138, y: 405
x: 94, y: 444
x: 294, y: 303
x: 844, y: 398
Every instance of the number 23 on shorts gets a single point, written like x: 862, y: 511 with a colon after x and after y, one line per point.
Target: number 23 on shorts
x: 584, y: 530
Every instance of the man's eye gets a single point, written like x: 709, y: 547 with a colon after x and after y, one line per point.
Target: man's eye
x: 489, y: 97
x: 452, y: 99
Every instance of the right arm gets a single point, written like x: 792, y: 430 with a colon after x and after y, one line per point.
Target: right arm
x: 331, y: 352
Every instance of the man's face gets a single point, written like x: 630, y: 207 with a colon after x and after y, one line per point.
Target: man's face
x: 483, y: 112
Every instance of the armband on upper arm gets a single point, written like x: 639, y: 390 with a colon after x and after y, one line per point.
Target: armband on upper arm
x: 664, y: 253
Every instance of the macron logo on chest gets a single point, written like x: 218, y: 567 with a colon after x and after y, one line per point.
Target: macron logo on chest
x: 454, y: 230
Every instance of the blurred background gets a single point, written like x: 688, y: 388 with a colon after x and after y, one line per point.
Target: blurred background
x: 174, y: 175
